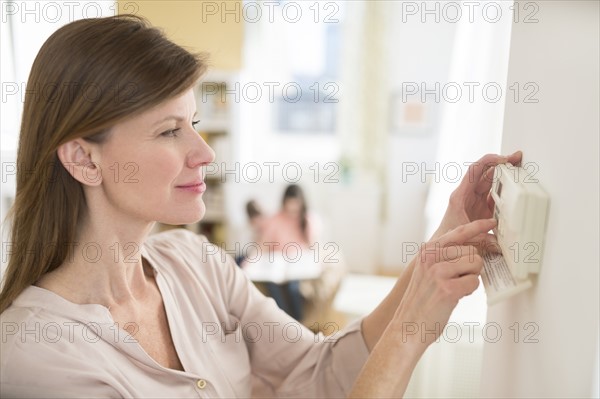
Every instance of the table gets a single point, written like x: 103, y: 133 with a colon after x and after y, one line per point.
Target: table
x: 359, y: 294
x: 275, y: 268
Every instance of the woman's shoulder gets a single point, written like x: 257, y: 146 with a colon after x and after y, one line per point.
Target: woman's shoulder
x: 184, y: 243
x: 176, y: 238
x: 203, y: 277
x: 37, y: 343
x: 187, y: 254
x: 24, y: 327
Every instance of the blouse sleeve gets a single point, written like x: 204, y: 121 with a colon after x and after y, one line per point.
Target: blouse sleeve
x: 286, y: 357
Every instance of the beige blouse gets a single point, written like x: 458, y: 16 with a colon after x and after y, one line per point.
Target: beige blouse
x: 231, y: 340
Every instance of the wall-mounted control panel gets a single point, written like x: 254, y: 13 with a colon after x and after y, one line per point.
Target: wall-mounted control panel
x: 521, y: 209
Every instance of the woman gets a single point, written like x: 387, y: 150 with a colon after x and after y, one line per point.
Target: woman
x: 290, y: 229
x: 93, y: 307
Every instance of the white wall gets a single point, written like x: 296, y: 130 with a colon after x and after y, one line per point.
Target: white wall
x: 560, y: 134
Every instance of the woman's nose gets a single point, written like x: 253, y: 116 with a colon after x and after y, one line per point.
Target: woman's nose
x: 200, y: 152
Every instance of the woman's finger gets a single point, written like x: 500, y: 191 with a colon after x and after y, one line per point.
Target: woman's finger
x: 485, y: 242
x: 466, y: 232
x: 477, y: 169
x: 487, y: 177
x: 516, y: 158
x: 463, y: 286
x: 490, y: 202
x: 452, y: 253
x: 466, y: 264
x: 481, y: 173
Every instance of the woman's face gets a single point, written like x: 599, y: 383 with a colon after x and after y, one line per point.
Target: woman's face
x: 293, y: 207
x: 152, y: 164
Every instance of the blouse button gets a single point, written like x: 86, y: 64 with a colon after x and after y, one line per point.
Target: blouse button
x: 201, y: 384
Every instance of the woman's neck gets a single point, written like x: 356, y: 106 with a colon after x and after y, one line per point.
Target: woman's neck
x: 105, y: 267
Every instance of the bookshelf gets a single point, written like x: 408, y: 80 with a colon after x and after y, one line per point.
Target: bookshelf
x: 218, y: 115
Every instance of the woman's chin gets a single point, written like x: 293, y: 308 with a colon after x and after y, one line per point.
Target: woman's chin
x: 188, y: 218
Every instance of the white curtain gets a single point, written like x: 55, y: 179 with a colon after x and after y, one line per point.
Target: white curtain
x: 469, y: 129
x: 11, y: 90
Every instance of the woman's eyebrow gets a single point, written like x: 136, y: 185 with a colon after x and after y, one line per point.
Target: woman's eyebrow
x: 177, y: 118
x: 168, y: 118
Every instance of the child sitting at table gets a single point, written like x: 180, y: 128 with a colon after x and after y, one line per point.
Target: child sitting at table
x: 291, y: 228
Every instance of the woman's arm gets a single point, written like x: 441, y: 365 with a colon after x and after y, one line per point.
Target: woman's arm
x: 377, y: 321
x: 470, y: 201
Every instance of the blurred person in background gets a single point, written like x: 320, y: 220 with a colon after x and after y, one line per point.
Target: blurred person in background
x: 256, y: 220
x: 292, y: 229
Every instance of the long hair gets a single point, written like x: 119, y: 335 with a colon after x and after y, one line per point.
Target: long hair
x: 89, y: 75
x: 295, y: 191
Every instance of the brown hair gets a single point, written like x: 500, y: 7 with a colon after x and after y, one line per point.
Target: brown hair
x: 295, y: 191
x: 87, y: 76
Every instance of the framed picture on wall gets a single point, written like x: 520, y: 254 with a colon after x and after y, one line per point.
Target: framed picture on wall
x: 411, y: 116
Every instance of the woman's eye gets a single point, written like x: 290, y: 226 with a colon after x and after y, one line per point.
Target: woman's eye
x: 170, y: 133
x: 194, y: 123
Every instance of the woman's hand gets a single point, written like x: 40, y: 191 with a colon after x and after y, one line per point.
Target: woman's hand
x: 472, y: 200
x: 445, y: 270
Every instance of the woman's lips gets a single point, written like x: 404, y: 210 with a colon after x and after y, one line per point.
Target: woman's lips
x: 198, y: 188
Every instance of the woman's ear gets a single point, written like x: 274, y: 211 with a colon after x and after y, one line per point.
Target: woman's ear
x: 75, y: 156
